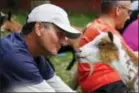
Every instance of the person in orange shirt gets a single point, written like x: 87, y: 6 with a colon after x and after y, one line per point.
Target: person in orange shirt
x: 104, y: 79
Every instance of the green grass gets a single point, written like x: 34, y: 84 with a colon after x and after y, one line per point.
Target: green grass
x: 81, y: 20
x: 21, y: 18
x: 60, y: 63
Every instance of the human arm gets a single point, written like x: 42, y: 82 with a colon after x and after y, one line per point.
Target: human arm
x: 54, y: 81
x: 58, y: 85
x: 88, y: 36
x: 40, y: 87
x: 22, y: 74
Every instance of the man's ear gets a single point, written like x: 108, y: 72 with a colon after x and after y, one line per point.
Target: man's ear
x: 38, y: 28
x: 118, y: 11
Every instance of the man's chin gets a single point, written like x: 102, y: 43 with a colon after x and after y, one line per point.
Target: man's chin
x: 53, y: 53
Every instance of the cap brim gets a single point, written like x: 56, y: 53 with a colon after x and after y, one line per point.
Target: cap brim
x: 71, y: 32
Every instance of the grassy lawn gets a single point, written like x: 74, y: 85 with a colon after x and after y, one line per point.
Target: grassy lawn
x: 61, y: 61
x: 80, y: 20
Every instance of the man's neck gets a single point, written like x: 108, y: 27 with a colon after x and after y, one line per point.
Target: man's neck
x: 108, y: 20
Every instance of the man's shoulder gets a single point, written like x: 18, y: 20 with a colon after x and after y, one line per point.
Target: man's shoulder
x: 93, y: 29
x: 12, y: 43
x: 97, y: 24
x: 11, y: 39
x: 13, y: 48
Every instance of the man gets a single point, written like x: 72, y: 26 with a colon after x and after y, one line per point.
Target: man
x: 104, y: 79
x: 24, y: 68
x: 133, y: 15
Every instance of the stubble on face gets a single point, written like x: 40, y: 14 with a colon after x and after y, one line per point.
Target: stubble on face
x: 49, y: 42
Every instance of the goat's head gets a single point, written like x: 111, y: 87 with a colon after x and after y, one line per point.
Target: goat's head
x: 7, y: 23
x: 104, y: 47
x: 2, y: 18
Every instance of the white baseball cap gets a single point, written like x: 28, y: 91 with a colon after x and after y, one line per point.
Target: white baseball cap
x: 53, y: 14
x: 135, y: 5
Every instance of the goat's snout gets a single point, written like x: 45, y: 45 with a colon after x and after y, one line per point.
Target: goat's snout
x: 78, y: 50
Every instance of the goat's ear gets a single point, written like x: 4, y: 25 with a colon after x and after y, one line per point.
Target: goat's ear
x: 110, y: 36
x: 9, y: 15
x: 2, y: 14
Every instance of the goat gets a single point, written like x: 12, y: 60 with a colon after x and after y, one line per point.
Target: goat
x: 108, y: 48
x: 7, y: 23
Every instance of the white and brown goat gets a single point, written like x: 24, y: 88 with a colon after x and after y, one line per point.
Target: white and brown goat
x: 108, y: 48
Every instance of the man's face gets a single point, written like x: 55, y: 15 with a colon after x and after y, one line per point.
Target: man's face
x: 51, y: 39
x: 123, y: 14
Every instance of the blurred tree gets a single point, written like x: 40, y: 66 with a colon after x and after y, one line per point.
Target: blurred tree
x: 13, y: 4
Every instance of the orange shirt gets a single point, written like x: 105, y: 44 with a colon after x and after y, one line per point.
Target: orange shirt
x: 102, y: 73
x: 92, y: 31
